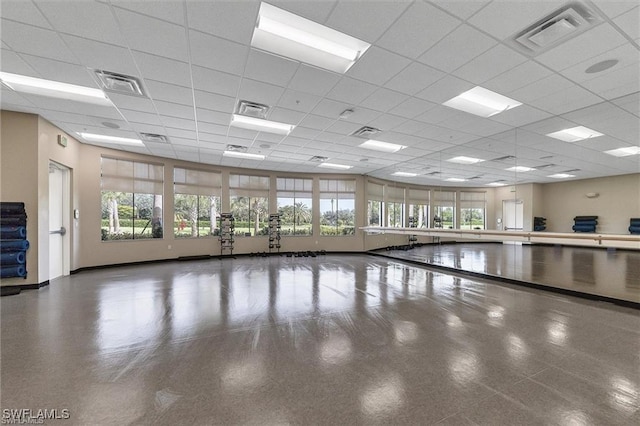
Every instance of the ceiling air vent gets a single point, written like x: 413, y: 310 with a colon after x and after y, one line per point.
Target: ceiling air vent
x: 505, y: 158
x: 557, y: 27
x: 571, y: 171
x: 318, y: 159
x: 152, y: 137
x: 432, y: 173
x: 252, y: 109
x: 366, y: 132
x: 236, y: 148
x: 545, y: 166
x: 120, y: 83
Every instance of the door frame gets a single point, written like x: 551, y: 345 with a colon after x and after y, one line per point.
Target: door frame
x: 66, y: 216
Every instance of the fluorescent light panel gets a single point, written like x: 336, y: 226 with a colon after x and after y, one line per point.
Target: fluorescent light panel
x: 292, y: 36
x: 334, y: 166
x: 261, y: 125
x: 465, y: 160
x: 624, y: 152
x: 381, y: 146
x: 561, y: 176
x: 482, y: 102
x: 404, y: 174
x: 110, y: 139
x: 53, y: 89
x: 245, y: 155
x: 455, y: 180
x: 575, y: 134
x: 496, y: 184
x: 520, y: 169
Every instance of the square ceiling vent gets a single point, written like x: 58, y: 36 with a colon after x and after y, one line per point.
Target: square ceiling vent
x: 554, y: 29
x: 120, y: 83
x: 236, y: 148
x: 366, y: 132
x: 253, y: 109
x: 153, y: 137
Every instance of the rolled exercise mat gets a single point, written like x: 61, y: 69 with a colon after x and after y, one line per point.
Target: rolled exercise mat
x: 10, y: 208
x: 13, y: 232
x: 13, y: 271
x: 13, y: 258
x: 13, y: 220
x: 14, y: 245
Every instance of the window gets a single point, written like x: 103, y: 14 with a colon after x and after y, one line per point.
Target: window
x: 444, y: 209
x: 249, y: 198
x: 196, y: 202
x: 472, y: 210
x: 337, y: 207
x: 375, y: 204
x: 418, y: 200
x: 295, y: 206
x: 395, y: 206
x: 131, y: 199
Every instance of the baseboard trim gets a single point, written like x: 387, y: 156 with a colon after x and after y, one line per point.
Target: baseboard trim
x: 10, y: 289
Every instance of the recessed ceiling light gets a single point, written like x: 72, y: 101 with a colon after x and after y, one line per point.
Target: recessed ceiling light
x: 624, y: 152
x: 53, y: 89
x: 334, y: 166
x: 482, y: 102
x: 381, y: 146
x: 110, y: 125
x: 561, y: 176
x: 292, y: 36
x: 246, y: 155
x: 601, y: 66
x: 520, y: 169
x: 261, y: 125
x: 404, y: 174
x: 455, y: 180
x: 496, y: 184
x: 110, y: 139
x: 465, y: 160
x: 575, y: 134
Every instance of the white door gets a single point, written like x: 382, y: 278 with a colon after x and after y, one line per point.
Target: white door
x: 513, y: 215
x: 58, y: 223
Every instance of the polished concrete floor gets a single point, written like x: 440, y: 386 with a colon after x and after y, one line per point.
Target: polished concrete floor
x: 610, y: 273
x: 329, y: 340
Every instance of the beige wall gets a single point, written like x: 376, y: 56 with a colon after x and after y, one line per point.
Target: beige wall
x: 619, y: 200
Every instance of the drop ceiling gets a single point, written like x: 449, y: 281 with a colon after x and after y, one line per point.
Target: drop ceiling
x: 195, y: 62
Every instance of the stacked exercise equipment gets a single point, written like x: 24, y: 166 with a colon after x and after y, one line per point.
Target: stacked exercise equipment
x: 13, y: 240
x: 274, y: 232
x: 539, y: 223
x: 634, y: 226
x: 227, y: 232
x: 585, y: 223
x: 413, y: 223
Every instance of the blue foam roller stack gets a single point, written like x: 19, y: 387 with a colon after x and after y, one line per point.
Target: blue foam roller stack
x: 14, y: 245
x: 13, y: 258
x: 13, y: 232
x: 13, y: 271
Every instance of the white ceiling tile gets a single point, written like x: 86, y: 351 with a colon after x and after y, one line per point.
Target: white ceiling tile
x: 147, y: 128
x: 174, y: 110
x: 520, y: 116
x: 613, y: 8
x: 377, y: 66
x: 101, y: 56
x: 179, y: 133
x: 217, y: 53
x: 490, y: 64
x: 35, y: 41
x: 629, y: 103
x: 25, y: 12
x: 462, y: 9
x: 304, y: 132
x: 474, y: 125
x: 9, y: 97
x: 227, y: 19
x: 284, y: 115
x: 420, y: 27
x: 262, y: 93
x: 410, y: 127
x: 214, y: 117
x: 618, y: 82
x: 445, y: 89
x: 167, y: 10
x: 177, y: 123
x: 270, y: 68
x: 97, y: 21
x: 298, y: 101
x: 626, y: 55
x: 13, y: 63
x: 215, y: 81
x: 153, y: 36
x: 590, y: 43
x: 437, y: 114
x: 366, y: 23
x: 316, y: 122
x: 541, y: 88
x: 412, y: 107
x: 363, y: 115
x: 330, y: 109
x: 351, y: 91
x: 566, y: 100
x: 215, y: 102
x: 415, y: 78
x: 148, y: 118
x: 160, y: 91
x: 61, y: 71
x: 502, y: 19
x: 465, y: 40
x: 384, y: 99
x: 313, y: 80
x: 387, y: 121
x: 137, y: 103
x: 630, y: 23
x: 163, y: 69
x: 343, y: 128
x: 245, y: 134
x: 517, y: 77
x: 216, y: 129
